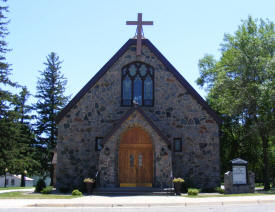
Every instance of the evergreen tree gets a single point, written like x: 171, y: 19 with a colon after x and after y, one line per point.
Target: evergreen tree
x: 26, y: 156
x: 16, y: 135
x: 51, y: 99
x: 9, y: 129
x: 242, y: 88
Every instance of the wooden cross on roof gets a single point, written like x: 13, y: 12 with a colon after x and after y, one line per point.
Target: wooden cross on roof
x: 139, y: 31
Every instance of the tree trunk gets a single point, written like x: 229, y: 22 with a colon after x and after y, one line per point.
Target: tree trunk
x: 265, y: 160
x: 22, y: 180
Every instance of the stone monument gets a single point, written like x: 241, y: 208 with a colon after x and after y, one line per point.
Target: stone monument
x: 239, y: 180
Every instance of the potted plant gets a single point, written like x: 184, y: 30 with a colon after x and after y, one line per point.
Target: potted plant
x: 89, y: 184
x: 178, y: 184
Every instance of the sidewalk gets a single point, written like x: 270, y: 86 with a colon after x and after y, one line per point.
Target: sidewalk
x: 134, y: 201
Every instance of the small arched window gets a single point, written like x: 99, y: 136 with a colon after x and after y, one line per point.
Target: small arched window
x: 137, y: 84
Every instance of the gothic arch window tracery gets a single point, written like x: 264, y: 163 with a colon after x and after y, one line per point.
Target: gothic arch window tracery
x: 137, y: 84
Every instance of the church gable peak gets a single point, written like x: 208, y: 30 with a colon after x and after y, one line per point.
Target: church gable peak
x: 127, y: 46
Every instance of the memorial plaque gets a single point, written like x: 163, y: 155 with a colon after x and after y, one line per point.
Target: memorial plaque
x: 239, y: 175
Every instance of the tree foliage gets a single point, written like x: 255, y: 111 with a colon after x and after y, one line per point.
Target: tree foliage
x: 242, y: 89
x: 9, y: 130
x: 25, y: 159
x: 51, y: 99
x: 16, y: 134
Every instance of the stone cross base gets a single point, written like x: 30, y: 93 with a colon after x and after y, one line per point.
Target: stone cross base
x: 230, y: 188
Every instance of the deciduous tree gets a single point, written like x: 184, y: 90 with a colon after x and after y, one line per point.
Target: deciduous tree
x: 242, y: 88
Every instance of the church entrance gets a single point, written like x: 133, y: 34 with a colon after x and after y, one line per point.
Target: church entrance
x: 135, y: 159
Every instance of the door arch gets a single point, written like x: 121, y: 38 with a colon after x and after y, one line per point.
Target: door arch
x: 135, y: 159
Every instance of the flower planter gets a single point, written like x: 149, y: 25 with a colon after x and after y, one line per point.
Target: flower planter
x: 89, y: 182
x: 177, y: 187
x: 89, y: 187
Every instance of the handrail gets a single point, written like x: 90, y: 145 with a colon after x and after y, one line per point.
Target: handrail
x: 96, y: 177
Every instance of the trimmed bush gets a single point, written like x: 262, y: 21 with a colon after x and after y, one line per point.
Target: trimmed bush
x: 76, y: 192
x: 40, y: 185
x: 193, y: 192
x: 220, y: 190
x: 47, y: 190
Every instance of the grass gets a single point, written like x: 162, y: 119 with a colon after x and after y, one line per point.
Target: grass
x: 257, y: 193
x: 11, y: 188
x: 27, y: 195
x: 271, y: 191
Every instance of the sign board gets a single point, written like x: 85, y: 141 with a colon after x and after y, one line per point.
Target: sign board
x: 239, y: 175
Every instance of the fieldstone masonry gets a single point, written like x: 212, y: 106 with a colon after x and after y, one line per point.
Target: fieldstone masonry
x: 176, y: 113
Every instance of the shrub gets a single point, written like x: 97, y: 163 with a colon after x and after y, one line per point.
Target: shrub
x: 76, y: 192
x: 193, y: 192
x: 40, y: 185
x: 47, y: 190
x: 220, y: 190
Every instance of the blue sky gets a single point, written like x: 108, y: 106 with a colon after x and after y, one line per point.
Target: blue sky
x: 87, y: 33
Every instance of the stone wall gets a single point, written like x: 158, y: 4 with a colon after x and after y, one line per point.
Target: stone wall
x: 176, y: 113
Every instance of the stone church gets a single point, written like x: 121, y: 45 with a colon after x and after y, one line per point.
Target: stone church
x: 138, y: 123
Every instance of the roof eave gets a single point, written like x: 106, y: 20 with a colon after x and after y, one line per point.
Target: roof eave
x: 95, y: 78
x: 183, y: 81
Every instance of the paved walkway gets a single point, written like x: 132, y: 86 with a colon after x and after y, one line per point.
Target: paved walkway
x: 133, y: 201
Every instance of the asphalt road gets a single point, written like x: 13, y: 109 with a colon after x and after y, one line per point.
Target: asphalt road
x: 266, y: 207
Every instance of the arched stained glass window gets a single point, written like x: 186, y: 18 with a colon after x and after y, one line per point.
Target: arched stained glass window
x: 138, y: 90
x: 143, y: 70
x: 127, y: 92
x: 137, y: 84
x: 132, y: 70
x: 148, y: 90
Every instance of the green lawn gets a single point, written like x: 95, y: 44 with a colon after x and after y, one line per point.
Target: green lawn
x: 27, y: 195
x: 257, y: 193
x: 271, y: 191
x: 11, y: 188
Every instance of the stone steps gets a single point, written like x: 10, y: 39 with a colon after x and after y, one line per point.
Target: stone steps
x: 133, y: 191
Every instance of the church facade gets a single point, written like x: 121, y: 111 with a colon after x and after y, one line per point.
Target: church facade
x: 138, y: 122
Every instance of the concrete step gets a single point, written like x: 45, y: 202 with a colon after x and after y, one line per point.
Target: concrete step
x: 133, y: 191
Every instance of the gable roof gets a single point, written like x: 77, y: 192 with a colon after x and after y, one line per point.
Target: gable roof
x: 127, y: 115
x: 165, y: 62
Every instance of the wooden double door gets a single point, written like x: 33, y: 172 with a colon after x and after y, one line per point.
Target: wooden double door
x: 135, y: 159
